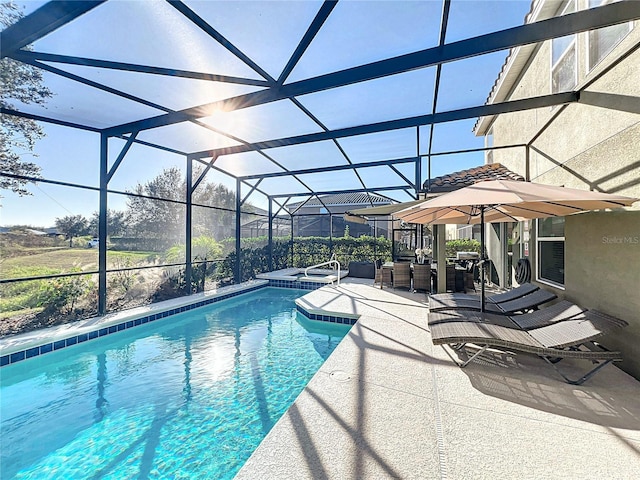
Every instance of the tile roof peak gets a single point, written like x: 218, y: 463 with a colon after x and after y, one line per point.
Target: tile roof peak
x: 463, y: 178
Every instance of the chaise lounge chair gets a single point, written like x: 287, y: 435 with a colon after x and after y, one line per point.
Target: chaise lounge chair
x: 517, y: 292
x: 565, y: 339
x: 563, y: 310
x: 522, y: 304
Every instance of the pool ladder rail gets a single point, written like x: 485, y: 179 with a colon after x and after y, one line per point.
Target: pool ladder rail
x: 333, y: 261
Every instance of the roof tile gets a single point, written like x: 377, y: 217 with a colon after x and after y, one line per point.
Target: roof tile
x: 345, y: 199
x: 464, y: 178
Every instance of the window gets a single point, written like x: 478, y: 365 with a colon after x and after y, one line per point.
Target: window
x: 550, y: 241
x: 602, y: 40
x: 564, y: 59
x: 488, y: 142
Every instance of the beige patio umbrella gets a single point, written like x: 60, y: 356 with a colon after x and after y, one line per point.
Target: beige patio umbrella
x: 507, y: 201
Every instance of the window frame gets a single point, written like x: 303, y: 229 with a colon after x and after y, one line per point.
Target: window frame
x: 488, y: 143
x: 589, y: 34
x: 573, y: 45
x: 539, y: 240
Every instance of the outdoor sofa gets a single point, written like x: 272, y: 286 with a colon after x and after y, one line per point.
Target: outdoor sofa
x: 362, y: 269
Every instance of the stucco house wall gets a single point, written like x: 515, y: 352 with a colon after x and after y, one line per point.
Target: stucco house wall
x: 602, y: 267
x: 593, y: 145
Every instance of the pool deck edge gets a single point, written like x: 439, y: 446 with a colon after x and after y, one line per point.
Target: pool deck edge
x: 387, y: 403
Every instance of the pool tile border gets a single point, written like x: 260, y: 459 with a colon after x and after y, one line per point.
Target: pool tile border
x: 325, y: 317
x: 297, y: 284
x: 34, y: 351
x: 320, y: 316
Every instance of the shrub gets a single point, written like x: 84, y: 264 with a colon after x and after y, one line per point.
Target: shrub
x: 65, y: 292
x: 469, y: 245
x: 122, y: 281
x: 306, y: 251
x: 202, y: 247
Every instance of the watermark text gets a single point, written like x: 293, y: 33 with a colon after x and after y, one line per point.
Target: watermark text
x: 618, y: 240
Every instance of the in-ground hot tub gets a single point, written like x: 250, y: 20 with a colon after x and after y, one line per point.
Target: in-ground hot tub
x: 318, y: 275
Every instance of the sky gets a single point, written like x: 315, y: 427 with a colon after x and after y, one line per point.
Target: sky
x: 153, y: 33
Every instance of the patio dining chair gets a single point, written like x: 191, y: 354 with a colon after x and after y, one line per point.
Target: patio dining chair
x: 422, y: 277
x: 401, y: 274
x: 378, y: 269
x: 468, y: 275
x: 383, y: 275
x: 571, y: 338
x: 450, y: 272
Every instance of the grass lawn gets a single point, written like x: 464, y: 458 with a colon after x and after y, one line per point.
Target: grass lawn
x: 49, y: 261
x: 26, y: 311
x: 21, y: 301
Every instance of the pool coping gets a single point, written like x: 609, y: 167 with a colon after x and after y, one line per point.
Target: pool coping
x: 16, y: 348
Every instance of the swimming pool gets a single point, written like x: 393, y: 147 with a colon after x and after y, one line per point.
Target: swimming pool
x: 190, y: 396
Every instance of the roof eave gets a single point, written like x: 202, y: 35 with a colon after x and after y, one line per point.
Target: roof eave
x: 515, y: 64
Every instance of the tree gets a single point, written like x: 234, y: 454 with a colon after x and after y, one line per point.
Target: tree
x: 23, y: 83
x: 215, y: 223
x: 160, y: 219
x: 72, y: 226
x: 116, y: 223
x: 165, y: 219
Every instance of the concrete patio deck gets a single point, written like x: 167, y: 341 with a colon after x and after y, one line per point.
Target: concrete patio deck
x: 389, y: 404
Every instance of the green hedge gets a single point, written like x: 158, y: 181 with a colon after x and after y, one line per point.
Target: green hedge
x: 306, y: 251
x: 453, y: 246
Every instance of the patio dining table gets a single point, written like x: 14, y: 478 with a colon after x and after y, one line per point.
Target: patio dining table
x: 389, y: 265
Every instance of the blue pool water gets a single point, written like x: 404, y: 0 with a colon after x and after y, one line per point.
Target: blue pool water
x: 190, y: 396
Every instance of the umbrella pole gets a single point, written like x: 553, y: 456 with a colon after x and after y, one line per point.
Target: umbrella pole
x: 482, y: 260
